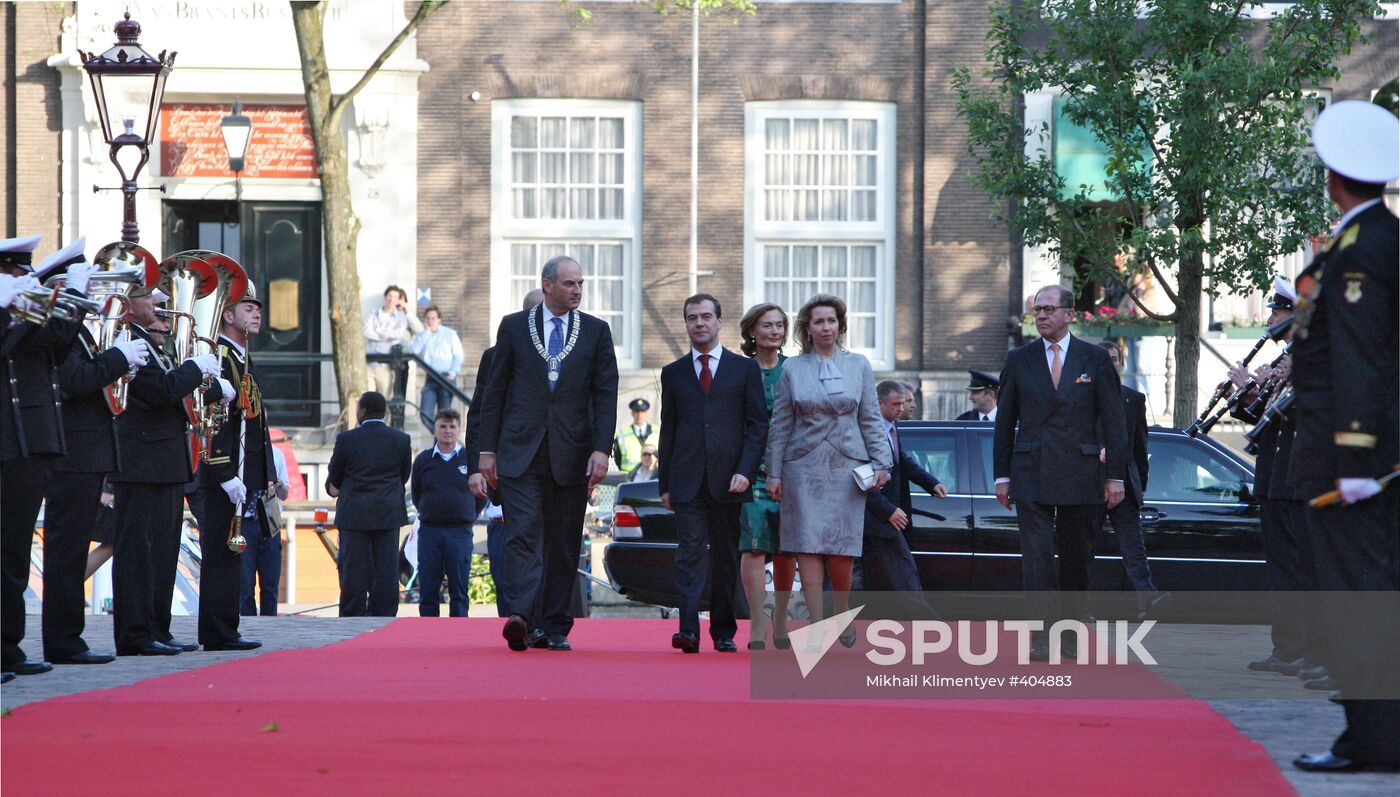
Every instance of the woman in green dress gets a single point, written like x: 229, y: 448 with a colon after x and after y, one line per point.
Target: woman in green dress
x: 764, y: 331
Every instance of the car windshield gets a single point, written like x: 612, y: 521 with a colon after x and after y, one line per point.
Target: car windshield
x: 1180, y: 470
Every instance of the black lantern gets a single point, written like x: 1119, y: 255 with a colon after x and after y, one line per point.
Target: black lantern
x: 128, y: 83
x: 238, y: 131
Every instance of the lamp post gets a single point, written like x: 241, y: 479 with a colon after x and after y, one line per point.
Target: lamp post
x: 238, y: 131
x: 128, y: 83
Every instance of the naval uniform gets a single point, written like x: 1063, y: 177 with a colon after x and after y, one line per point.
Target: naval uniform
x: 31, y: 442
x: 1345, y: 378
x: 221, y: 571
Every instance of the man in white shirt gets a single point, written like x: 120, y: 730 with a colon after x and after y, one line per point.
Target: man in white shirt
x: 441, y: 349
x: 386, y: 328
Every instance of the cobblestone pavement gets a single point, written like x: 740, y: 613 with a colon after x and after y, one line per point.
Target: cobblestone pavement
x: 1278, y: 714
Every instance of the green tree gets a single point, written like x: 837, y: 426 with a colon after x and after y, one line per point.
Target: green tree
x: 1204, y: 115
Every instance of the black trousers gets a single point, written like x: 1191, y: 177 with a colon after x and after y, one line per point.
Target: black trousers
x: 23, y: 483
x: 1289, y: 577
x: 544, y: 532
x: 1356, y: 548
x: 220, y: 569
x: 707, y: 544
x: 369, y: 572
x: 1315, y: 645
x: 144, y: 560
x: 68, y: 526
x: 1048, y: 530
x: 887, y: 564
x: 1127, y: 527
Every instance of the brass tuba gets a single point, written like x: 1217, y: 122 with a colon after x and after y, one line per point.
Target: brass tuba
x: 122, y: 268
x: 230, y: 284
x: 188, y: 278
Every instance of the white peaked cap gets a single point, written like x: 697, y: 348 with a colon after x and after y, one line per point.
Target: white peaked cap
x: 1360, y: 140
x: 60, y: 260
x: 1284, y: 288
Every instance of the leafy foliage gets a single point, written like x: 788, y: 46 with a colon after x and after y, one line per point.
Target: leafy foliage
x: 1223, y: 103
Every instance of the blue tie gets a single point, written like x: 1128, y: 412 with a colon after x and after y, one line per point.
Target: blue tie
x: 556, y: 344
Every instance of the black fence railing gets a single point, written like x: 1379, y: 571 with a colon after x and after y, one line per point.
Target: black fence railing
x: 398, y: 361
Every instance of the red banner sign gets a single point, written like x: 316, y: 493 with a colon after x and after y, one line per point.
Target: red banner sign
x: 192, y: 145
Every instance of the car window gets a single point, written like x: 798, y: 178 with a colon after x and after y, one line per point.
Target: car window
x: 935, y: 451
x: 1179, y: 470
x: 984, y: 441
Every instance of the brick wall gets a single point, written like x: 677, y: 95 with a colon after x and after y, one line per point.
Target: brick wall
x: 30, y: 121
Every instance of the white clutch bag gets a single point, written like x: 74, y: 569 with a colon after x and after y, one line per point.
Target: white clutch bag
x: 864, y: 476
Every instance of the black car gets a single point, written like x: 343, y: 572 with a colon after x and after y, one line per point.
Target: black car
x: 1200, y: 525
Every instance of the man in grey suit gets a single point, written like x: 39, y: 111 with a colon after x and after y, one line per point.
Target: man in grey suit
x: 547, y: 420
x: 714, y: 423
x: 367, y: 472
x: 1062, y: 391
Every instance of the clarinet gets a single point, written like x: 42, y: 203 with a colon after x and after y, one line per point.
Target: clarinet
x: 1235, y: 398
x: 1277, y: 408
x: 1202, y: 424
x: 1266, y: 390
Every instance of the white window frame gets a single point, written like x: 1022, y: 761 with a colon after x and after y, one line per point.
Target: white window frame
x: 759, y: 232
x: 506, y: 230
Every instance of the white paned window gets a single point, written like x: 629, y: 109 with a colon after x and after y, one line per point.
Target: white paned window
x: 820, y: 210
x: 566, y: 179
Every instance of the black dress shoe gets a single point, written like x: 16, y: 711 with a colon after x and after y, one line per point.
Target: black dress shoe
x: 152, y: 648
x: 537, y: 639
x: 515, y: 632
x: 1274, y: 664
x: 30, y: 667
x: 1324, y: 684
x: 726, y: 646
x: 188, y: 647
x: 6, y: 677
x: 559, y: 642
x: 237, y: 643
x: 1312, y: 673
x: 685, y: 643
x: 1329, y: 762
x: 87, y: 657
x: 781, y: 642
x: 847, y: 639
x: 756, y: 644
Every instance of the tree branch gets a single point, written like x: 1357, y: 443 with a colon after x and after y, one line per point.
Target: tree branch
x: 338, y: 107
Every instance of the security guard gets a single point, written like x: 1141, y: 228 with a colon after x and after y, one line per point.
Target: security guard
x: 240, y: 471
x: 1345, y: 352
x: 982, y: 392
x: 31, y: 433
x: 627, y: 444
x: 89, y: 429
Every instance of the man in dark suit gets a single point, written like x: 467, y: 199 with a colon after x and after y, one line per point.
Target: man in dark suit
x: 885, y: 551
x: 239, y: 472
x: 368, y: 470
x: 714, y: 423
x: 495, y: 531
x: 982, y: 392
x: 546, y: 430
x: 1127, y: 525
x: 1062, y: 392
x: 90, y: 432
x: 31, y: 441
x: 154, y: 466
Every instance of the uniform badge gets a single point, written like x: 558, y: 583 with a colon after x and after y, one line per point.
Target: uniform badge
x: 462, y: 469
x: 1353, y: 291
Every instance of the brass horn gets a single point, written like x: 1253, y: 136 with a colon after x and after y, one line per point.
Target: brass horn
x: 188, y: 278
x: 230, y: 284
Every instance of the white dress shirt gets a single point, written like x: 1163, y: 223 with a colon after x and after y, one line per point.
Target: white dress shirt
x: 991, y: 416
x: 437, y: 451
x: 714, y: 360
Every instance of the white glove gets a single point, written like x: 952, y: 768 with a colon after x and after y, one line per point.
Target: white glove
x: 12, y: 287
x: 237, y: 493
x: 136, y: 351
x: 229, y: 392
x: 207, y: 363
x: 78, y: 275
x: 1354, y: 490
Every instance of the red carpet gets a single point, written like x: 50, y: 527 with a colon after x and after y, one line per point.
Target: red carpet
x: 441, y: 707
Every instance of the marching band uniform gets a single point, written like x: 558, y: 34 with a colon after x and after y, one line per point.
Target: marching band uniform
x: 31, y: 441
x: 221, y: 569
x: 1345, y: 353
x: 153, y: 468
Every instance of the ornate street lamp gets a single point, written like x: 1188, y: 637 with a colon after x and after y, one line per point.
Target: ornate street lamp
x: 238, y: 131
x: 128, y: 84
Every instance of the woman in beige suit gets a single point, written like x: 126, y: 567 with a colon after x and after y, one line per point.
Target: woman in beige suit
x: 826, y: 422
